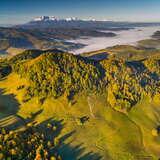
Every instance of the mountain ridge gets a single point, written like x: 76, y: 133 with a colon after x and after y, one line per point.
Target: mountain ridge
x: 74, y: 22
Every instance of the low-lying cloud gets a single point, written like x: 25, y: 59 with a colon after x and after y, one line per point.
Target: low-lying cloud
x: 123, y: 37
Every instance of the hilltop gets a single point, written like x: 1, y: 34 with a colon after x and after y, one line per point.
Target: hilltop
x: 95, y: 104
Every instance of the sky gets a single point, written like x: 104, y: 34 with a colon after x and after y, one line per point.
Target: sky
x: 22, y: 11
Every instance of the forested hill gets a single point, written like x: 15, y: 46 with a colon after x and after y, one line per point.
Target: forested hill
x: 66, y: 104
x: 55, y: 74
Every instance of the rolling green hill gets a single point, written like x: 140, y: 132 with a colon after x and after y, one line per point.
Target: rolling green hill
x: 144, y: 49
x: 105, y: 109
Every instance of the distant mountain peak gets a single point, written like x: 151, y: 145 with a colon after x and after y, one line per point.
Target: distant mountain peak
x: 45, y: 18
x: 53, y: 18
x: 72, y: 19
x: 67, y: 19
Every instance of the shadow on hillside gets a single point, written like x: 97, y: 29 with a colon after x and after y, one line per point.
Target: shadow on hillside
x: 99, y: 56
x: 140, y: 69
x: 8, y: 109
x: 5, y: 71
x: 8, y: 103
x: 66, y: 150
x: 10, y: 120
x: 69, y: 152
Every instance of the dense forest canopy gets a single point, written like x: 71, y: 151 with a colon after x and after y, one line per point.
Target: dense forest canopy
x: 55, y: 74
x: 32, y: 143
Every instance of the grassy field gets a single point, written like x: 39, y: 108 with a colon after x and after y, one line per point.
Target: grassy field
x: 150, y: 43
x: 147, y: 123
x: 144, y: 49
x: 104, y: 134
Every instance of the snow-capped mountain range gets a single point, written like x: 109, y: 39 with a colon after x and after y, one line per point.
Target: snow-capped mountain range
x: 73, y: 22
x: 45, y: 18
x: 53, y: 18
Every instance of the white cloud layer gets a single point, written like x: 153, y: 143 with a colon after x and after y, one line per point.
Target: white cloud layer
x: 123, y: 37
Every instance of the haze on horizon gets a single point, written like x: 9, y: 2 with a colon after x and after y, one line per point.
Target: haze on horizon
x: 21, y: 11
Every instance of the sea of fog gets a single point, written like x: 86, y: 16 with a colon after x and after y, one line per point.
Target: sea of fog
x: 123, y: 37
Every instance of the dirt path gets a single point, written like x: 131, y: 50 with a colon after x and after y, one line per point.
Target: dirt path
x: 91, y: 106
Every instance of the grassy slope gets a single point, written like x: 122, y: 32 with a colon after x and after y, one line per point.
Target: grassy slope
x: 128, y: 52
x: 9, y: 104
x: 147, y: 122
x: 109, y: 133
x: 150, y: 43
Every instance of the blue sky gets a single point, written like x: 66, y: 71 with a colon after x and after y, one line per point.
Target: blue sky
x: 20, y: 11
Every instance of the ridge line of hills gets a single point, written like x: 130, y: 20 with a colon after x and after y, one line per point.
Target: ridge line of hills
x: 116, y: 95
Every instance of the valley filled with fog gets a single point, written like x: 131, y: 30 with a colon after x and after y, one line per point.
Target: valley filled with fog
x: 130, y: 37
